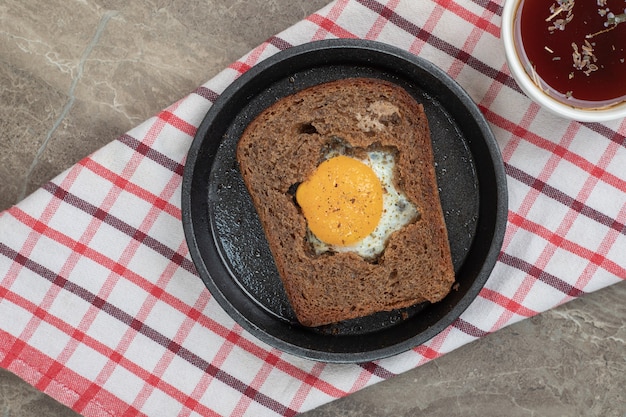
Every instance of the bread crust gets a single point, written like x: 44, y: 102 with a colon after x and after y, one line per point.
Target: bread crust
x: 284, y: 144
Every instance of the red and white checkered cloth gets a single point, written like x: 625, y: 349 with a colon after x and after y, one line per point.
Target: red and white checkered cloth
x: 100, y: 306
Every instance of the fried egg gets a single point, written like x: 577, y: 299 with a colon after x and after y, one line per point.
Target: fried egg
x: 351, y: 203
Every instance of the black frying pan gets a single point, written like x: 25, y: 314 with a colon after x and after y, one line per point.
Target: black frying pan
x: 228, y: 245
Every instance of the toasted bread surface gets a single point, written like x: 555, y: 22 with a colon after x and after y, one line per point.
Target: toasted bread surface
x: 284, y: 144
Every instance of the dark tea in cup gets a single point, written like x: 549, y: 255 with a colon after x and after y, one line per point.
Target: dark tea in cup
x: 575, y: 50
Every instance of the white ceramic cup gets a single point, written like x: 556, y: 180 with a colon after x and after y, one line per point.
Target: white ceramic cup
x: 516, y: 66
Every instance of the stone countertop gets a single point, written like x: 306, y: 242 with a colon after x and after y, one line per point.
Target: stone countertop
x: 76, y: 74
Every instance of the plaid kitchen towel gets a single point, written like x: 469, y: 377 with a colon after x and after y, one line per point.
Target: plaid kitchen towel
x: 101, y: 307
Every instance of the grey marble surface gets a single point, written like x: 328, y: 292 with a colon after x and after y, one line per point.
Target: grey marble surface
x: 76, y: 74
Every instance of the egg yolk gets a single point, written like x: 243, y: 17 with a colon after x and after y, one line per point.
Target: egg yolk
x: 342, y: 200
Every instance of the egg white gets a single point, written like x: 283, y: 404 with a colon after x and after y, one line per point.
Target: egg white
x: 397, y: 212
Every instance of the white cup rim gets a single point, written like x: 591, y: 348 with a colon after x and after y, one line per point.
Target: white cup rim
x: 535, y: 93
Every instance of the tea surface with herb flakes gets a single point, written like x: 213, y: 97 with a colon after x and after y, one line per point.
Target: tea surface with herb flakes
x: 577, y: 47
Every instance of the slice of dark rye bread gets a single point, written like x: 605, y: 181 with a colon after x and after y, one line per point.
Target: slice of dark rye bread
x: 284, y: 144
